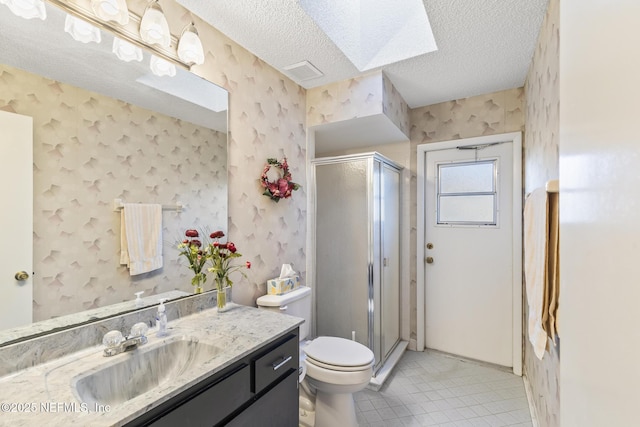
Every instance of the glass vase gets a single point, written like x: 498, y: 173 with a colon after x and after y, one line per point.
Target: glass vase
x: 223, y: 296
x: 197, y: 283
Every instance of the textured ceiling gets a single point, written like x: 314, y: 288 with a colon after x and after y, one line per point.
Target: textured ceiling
x: 483, y: 45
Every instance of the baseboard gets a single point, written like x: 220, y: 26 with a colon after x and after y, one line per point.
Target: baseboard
x: 532, y: 407
x: 381, y: 376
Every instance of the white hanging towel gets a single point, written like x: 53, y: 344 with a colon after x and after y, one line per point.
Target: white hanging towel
x: 141, y: 237
x: 535, y: 265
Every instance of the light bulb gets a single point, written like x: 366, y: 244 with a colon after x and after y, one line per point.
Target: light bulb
x: 154, y: 28
x: 26, y: 9
x: 126, y: 51
x: 161, y: 67
x: 190, y: 47
x: 81, y: 30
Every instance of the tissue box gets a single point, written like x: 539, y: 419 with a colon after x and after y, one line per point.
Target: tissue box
x: 282, y: 286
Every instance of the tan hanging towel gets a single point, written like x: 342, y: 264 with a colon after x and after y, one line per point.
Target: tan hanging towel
x: 542, y: 267
x: 550, y: 305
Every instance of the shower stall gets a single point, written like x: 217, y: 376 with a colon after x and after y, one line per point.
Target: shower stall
x: 357, y: 250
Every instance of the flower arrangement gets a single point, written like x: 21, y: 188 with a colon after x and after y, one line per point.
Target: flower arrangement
x: 280, y: 188
x: 222, y: 256
x: 191, y: 249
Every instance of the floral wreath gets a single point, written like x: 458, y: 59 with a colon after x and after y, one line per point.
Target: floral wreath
x: 280, y: 188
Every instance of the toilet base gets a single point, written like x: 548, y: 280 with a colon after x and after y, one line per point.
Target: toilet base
x: 335, y: 409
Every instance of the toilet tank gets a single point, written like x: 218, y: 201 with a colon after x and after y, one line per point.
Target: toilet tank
x: 296, y: 303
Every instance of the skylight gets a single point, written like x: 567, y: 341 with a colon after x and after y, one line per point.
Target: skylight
x: 374, y: 33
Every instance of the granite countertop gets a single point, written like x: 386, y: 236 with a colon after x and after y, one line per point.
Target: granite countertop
x: 44, y: 394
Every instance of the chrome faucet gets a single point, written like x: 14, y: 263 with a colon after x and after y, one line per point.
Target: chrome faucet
x: 115, y: 343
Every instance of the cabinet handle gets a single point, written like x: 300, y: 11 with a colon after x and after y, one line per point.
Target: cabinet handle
x: 282, y: 362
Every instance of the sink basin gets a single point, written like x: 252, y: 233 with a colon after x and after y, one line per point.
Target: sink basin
x: 136, y: 372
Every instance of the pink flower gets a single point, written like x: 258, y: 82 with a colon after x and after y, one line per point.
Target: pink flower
x: 196, y: 242
x: 248, y: 263
x: 191, y: 233
x: 231, y: 247
x: 283, y: 185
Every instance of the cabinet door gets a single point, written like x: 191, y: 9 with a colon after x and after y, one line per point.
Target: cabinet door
x: 277, y: 408
x: 211, y: 405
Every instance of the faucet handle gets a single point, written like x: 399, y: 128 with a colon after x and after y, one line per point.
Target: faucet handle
x: 112, y: 339
x: 139, y: 330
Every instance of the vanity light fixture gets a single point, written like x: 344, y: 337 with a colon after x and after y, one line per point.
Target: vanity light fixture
x: 26, y: 9
x: 81, y: 30
x: 190, y: 47
x: 161, y: 67
x: 154, y: 28
x: 111, y: 10
x: 126, y: 51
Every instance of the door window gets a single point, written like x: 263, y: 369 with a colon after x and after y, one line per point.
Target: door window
x: 467, y: 193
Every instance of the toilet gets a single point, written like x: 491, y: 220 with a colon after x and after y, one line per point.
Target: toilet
x: 332, y: 368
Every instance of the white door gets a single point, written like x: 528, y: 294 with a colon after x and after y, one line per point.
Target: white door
x: 16, y: 193
x: 468, y: 252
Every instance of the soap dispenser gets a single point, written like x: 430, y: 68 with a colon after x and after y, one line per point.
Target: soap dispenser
x: 139, y: 302
x: 161, y: 319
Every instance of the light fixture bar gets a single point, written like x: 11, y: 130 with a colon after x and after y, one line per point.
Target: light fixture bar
x: 128, y: 32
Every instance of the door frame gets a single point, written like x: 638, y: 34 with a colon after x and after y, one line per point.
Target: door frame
x: 516, y: 139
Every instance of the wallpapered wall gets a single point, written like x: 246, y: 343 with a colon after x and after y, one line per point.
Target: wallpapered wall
x: 489, y: 114
x: 542, y: 114
x: 88, y: 150
x: 266, y: 119
x: 362, y: 96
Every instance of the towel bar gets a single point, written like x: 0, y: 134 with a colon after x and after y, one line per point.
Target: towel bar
x: 118, y: 204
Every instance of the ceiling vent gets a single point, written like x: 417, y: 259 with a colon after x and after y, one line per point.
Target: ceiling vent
x: 303, y: 71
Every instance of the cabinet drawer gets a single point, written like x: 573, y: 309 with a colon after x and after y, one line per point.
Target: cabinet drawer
x: 275, y: 363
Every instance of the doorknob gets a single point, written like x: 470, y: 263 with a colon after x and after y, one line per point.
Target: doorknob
x: 429, y: 260
x: 21, y: 276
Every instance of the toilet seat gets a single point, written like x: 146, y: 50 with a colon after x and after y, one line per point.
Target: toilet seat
x: 338, y: 354
x: 333, y: 378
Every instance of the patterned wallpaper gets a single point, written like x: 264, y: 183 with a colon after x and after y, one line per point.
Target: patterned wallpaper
x: 88, y: 150
x: 348, y: 99
x: 541, y: 164
x: 394, y: 106
x: 362, y: 96
x: 489, y: 114
x: 266, y: 119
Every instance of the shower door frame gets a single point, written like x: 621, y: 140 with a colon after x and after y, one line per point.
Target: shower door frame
x: 375, y: 246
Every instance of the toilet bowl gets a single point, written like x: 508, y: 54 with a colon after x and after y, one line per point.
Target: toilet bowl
x: 337, y: 368
x: 333, y: 368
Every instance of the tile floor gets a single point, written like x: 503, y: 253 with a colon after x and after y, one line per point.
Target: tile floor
x: 432, y: 389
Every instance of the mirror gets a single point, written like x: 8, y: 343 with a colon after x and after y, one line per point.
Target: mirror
x: 105, y: 129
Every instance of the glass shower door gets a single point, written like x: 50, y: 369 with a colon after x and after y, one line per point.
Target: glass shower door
x: 343, y: 247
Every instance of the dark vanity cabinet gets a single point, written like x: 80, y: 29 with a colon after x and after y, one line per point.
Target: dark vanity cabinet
x: 260, y: 389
